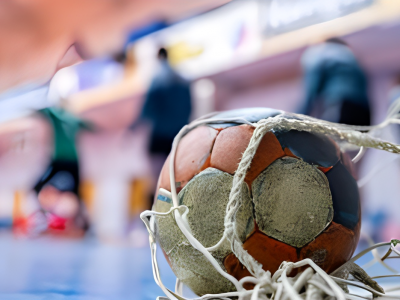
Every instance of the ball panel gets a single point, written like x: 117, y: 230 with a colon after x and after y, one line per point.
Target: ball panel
x: 168, y: 233
x: 232, y: 142
x: 267, y: 251
x: 316, y: 149
x: 357, y: 231
x: 268, y: 151
x: 207, y: 196
x: 346, y: 161
x: 197, y: 273
x: 324, y: 169
x: 162, y: 203
x: 289, y: 153
x: 188, y: 264
x: 192, y: 156
x: 331, y: 248
x: 229, y: 147
x: 345, y: 196
x: 292, y: 201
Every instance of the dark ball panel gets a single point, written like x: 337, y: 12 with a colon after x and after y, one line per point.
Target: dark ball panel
x: 315, y: 149
x: 346, y: 161
x: 345, y: 196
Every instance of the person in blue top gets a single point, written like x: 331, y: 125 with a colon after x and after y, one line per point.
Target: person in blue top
x: 167, y: 106
x: 336, y: 86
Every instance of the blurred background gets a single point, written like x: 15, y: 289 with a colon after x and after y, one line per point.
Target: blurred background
x: 81, y: 150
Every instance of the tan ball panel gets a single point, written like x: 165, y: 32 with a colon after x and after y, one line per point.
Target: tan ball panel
x: 292, y: 201
x: 207, y: 196
x: 188, y: 264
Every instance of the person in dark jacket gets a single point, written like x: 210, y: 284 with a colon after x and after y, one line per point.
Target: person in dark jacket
x: 167, y: 106
x: 336, y: 86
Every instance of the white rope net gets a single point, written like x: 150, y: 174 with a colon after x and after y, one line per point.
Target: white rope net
x: 313, y: 283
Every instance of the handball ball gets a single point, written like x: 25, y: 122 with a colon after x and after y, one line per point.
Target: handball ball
x: 300, y: 201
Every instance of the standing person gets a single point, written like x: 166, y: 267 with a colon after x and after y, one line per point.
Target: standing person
x: 168, y: 107
x: 336, y: 86
x: 58, y: 189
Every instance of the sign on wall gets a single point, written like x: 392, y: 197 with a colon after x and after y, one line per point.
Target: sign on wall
x: 286, y: 15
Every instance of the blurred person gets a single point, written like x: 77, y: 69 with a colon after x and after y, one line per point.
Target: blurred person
x: 335, y: 85
x: 394, y: 103
x: 58, y: 188
x: 394, y: 93
x: 42, y: 36
x: 167, y: 107
x: 62, y: 206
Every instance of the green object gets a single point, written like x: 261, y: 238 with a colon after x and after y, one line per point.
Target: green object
x: 66, y: 127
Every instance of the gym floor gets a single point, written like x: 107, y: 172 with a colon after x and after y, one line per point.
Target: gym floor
x: 57, y: 269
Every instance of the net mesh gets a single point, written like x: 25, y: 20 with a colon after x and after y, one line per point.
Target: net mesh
x: 313, y: 283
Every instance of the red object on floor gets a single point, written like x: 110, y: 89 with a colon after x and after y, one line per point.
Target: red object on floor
x: 56, y: 222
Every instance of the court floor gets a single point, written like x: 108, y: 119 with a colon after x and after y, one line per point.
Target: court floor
x: 48, y: 269
x: 57, y: 269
